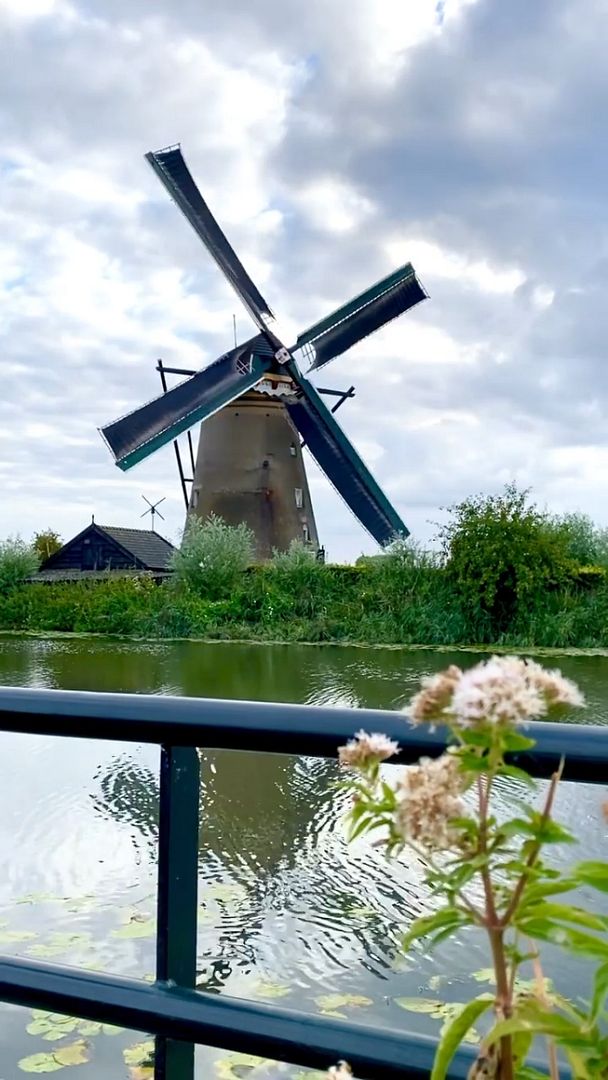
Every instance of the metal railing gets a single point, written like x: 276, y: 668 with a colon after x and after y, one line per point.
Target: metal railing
x: 170, y: 1008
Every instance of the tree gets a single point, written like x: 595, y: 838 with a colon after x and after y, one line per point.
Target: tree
x: 46, y: 543
x: 212, y: 556
x: 501, y: 554
x: 18, y: 561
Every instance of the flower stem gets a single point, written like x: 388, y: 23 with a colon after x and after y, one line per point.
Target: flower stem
x: 504, y: 1001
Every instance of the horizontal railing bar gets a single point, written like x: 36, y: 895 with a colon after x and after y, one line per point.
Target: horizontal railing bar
x: 271, y: 727
x: 227, y: 1023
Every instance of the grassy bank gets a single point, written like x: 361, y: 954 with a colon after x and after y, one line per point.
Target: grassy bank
x: 383, y: 602
x: 503, y: 574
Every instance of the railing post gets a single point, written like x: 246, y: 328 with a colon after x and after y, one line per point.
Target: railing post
x: 177, y: 893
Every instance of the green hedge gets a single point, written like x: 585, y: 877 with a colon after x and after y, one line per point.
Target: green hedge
x: 382, y: 601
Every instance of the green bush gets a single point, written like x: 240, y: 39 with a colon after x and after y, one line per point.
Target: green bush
x: 213, y: 556
x: 46, y: 543
x: 581, y: 539
x: 18, y: 561
x: 501, y: 555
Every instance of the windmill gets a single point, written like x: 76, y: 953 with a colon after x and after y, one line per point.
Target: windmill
x: 257, y: 408
x: 152, y: 509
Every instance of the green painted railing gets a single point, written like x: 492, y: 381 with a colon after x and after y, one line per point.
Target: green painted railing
x: 171, y: 1009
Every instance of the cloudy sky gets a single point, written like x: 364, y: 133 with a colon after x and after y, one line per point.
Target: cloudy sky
x: 334, y: 140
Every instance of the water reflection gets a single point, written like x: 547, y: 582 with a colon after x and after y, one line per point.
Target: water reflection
x: 276, y: 876
x: 283, y: 898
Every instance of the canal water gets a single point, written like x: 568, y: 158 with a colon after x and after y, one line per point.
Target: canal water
x: 288, y: 912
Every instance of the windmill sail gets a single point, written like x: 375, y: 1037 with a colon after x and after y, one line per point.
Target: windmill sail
x: 342, y: 465
x: 361, y: 316
x: 170, y: 167
x: 137, y: 435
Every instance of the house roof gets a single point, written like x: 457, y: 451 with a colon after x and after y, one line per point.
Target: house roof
x: 149, y: 547
x: 96, y: 575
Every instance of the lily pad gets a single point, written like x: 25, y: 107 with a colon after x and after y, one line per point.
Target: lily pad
x: 421, y: 1005
x: 7, y: 937
x: 141, y: 1053
x: 76, y: 1053
x: 266, y: 988
x: 360, y: 911
x: 330, y: 1003
x: 484, y: 975
x: 40, y: 1063
x: 138, y: 926
x: 52, y: 1027
x: 439, y: 1010
x: 39, y: 898
x: 224, y: 892
x: 58, y: 944
x: 236, y: 1066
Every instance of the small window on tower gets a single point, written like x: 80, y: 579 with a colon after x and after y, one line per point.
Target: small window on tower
x: 305, y: 534
x: 292, y: 450
x: 195, y: 495
x: 299, y: 498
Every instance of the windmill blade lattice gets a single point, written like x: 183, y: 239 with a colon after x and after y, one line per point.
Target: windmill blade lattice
x: 342, y: 465
x: 138, y: 434
x: 170, y: 167
x: 363, y: 315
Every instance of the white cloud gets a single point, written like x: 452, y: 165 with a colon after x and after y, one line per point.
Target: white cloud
x: 465, y: 137
x: 333, y: 206
x: 433, y: 261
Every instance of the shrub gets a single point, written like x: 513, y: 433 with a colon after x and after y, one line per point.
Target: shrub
x: 581, y: 539
x: 212, y: 557
x: 46, y: 543
x: 501, y: 554
x: 18, y: 561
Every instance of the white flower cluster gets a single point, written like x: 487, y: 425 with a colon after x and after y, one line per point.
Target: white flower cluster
x: 503, y: 690
x: 365, y: 749
x: 341, y: 1071
x: 428, y: 799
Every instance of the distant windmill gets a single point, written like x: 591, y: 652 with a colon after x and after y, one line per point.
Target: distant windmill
x: 257, y: 406
x: 152, y: 509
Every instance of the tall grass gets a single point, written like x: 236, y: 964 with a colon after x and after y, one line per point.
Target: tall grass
x: 388, y: 600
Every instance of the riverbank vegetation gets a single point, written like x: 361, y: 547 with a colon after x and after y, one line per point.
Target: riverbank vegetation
x: 504, y: 573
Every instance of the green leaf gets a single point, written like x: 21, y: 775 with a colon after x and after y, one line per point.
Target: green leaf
x: 7, y: 937
x: 138, y: 926
x: 77, y: 1053
x: 140, y: 1053
x: 600, y: 991
x: 538, y: 890
x: 39, y: 1063
x: 446, y: 919
x: 420, y: 1005
x: 266, y: 988
x: 575, y: 940
x: 237, y: 1065
x: 52, y: 1029
x: 536, y: 1022
x: 592, y: 873
x: 484, y: 975
x: 329, y: 1003
x: 569, y: 913
x: 517, y: 774
x: 89, y: 1028
x: 455, y: 1033
x: 513, y: 742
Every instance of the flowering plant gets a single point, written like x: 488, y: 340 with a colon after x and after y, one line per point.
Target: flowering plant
x: 490, y: 873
